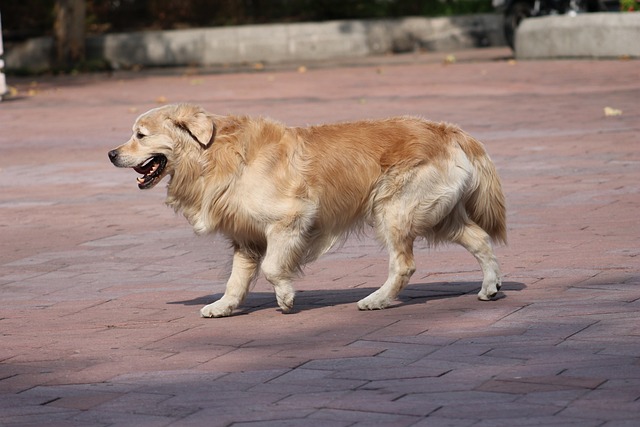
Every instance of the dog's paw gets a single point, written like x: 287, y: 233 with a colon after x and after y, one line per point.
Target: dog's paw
x: 285, y: 302
x: 373, y: 302
x: 484, y: 297
x: 487, y: 293
x: 216, y: 310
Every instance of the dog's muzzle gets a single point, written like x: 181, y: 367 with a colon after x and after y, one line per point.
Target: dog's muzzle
x: 152, y: 169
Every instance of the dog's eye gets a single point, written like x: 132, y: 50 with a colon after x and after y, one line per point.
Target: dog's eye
x: 140, y: 135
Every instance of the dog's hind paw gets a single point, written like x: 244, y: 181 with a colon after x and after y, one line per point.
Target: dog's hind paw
x: 487, y: 293
x: 286, y: 302
x: 483, y: 297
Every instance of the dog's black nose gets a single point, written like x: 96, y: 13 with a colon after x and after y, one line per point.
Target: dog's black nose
x: 113, y: 155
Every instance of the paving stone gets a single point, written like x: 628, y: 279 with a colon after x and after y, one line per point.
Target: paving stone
x: 368, y: 417
x: 592, y: 409
x: 524, y: 385
x: 498, y: 410
x: 107, y: 418
x: 435, y: 421
x: 621, y: 423
x: 302, y: 422
x: 550, y: 421
x: 453, y: 398
x: 245, y: 414
x: 384, y: 402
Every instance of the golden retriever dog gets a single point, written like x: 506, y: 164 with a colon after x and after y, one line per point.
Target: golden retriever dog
x: 284, y: 195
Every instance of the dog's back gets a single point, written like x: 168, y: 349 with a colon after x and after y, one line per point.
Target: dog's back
x: 354, y: 168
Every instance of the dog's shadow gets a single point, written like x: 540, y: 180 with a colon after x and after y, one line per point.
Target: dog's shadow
x: 419, y: 293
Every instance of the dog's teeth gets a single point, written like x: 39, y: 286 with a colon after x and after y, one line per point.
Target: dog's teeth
x: 140, y: 180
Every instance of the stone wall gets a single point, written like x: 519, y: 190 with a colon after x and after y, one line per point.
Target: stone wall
x: 273, y: 43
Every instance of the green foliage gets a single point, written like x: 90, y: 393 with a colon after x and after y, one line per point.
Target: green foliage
x: 629, y: 5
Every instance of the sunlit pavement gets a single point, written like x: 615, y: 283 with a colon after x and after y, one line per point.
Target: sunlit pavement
x: 101, y: 284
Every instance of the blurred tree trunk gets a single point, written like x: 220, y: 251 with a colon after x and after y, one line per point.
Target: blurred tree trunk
x: 68, y: 30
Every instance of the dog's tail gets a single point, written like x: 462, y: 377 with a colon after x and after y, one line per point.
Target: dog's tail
x: 486, y: 204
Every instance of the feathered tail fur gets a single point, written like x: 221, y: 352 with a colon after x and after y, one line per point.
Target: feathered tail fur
x: 486, y: 205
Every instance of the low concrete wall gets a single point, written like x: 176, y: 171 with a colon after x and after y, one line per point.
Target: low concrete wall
x: 591, y: 35
x: 33, y: 55
x: 273, y: 43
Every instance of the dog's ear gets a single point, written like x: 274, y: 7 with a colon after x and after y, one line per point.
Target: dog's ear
x: 199, y: 126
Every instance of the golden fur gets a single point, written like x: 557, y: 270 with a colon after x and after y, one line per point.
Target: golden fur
x: 283, y: 196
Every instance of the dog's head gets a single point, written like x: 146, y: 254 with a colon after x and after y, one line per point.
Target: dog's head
x: 159, y: 135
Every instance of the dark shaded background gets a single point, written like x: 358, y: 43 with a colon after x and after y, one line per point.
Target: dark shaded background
x: 31, y: 18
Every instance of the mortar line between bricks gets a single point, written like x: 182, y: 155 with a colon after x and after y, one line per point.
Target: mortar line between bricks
x: 55, y: 399
x: 579, y: 282
x: 605, y: 268
x: 281, y: 375
x: 603, y: 206
x: 577, y: 332
x: 389, y: 342
x: 375, y: 411
x: 365, y: 339
x: 395, y: 399
x: 633, y: 300
x: 88, y: 307
x: 511, y: 313
x: 433, y: 412
x: 146, y: 346
x: 9, y: 376
x: 245, y: 344
x: 289, y: 370
x: 381, y: 328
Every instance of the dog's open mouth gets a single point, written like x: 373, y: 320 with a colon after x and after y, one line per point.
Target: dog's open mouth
x: 152, y: 171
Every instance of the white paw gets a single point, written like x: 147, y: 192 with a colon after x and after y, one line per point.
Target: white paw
x: 483, y: 297
x: 217, y: 309
x: 285, y: 302
x: 488, y: 292
x: 373, y: 302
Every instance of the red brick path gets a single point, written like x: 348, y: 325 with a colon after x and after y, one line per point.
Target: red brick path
x: 100, y: 283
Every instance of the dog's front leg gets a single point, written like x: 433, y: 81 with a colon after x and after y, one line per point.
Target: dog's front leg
x: 245, y: 266
x: 280, y: 262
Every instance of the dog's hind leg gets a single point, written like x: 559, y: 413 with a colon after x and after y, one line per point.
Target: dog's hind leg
x: 477, y: 241
x: 245, y: 266
x: 401, y: 268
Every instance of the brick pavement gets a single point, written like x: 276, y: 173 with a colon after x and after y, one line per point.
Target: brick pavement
x: 101, y: 284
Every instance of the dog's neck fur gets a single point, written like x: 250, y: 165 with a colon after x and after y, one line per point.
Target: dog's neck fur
x: 184, y: 192
x: 202, y: 183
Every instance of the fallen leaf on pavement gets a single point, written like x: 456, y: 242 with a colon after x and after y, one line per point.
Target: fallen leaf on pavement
x: 608, y: 112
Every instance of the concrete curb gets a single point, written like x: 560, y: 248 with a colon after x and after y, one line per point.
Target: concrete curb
x: 592, y: 35
x: 274, y: 43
